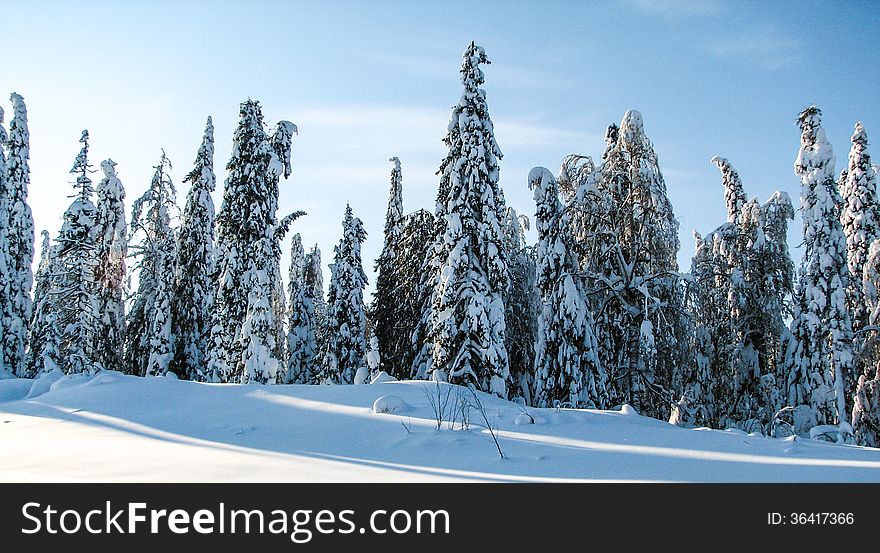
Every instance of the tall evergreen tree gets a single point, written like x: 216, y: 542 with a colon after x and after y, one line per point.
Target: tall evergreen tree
x: 148, y: 338
x: 248, y: 250
x: 391, y: 331
x: 696, y: 405
x: 466, y: 267
x: 346, y: 345
x: 777, y: 286
x: 866, y: 405
x: 821, y: 360
x: 5, y: 300
x: 301, y: 342
x: 567, y: 366
x: 411, y: 296
x: 111, y: 248
x: 74, y: 286
x: 860, y: 218
x: 521, y: 304
x: 16, y: 277
x: 313, y: 280
x: 193, y: 295
x: 43, y: 337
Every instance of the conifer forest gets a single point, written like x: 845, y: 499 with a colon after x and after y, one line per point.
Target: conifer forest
x: 595, y: 314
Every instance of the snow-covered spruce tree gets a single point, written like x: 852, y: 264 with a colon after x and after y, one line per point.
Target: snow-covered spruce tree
x: 521, y: 304
x: 194, y: 283
x: 418, y: 233
x: 627, y: 237
x: 466, y: 267
x: 259, y: 360
x: 313, y: 280
x: 821, y: 360
x: 111, y: 247
x: 866, y: 407
x: 391, y: 331
x: 16, y: 277
x: 43, y: 335
x: 301, y: 342
x: 346, y: 345
x: 248, y: 235
x: 777, y: 287
x: 73, y: 286
x: 148, y: 334
x: 739, y: 337
x: 696, y: 405
x: 567, y: 367
x: 4, y: 249
x: 866, y: 410
x: 282, y: 142
x: 860, y: 218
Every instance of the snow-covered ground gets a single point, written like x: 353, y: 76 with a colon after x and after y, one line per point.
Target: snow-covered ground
x: 113, y: 427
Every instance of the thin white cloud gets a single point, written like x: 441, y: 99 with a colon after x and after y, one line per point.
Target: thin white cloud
x: 520, y: 134
x: 678, y: 9
x: 767, y: 48
x: 393, y: 129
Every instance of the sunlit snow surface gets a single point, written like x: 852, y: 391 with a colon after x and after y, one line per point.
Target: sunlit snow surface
x: 120, y: 428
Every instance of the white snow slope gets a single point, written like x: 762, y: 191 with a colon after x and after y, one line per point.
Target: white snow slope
x: 113, y: 427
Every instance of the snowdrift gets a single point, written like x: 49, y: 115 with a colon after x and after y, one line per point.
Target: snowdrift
x: 113, y: 427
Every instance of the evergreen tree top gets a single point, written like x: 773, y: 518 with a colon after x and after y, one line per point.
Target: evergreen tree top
x: 82, y: 168
x: 17, y: 142
x: 18, y: 128
x: 282, y: 139
x: 45, y: 247
x: 395, y: 201
x: 110, y: 186
x: 353, y: 227
x: 250, y: 130
x: 734, y: 195
x: 108, y: 166
x: 471, y: 75
x: 815, y: 160
x: 204, y: 163
x: 18, y: 107
x: 859, y: 136
x: 158, y: 198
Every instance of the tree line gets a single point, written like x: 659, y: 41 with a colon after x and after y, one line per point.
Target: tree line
x: 596, y: 314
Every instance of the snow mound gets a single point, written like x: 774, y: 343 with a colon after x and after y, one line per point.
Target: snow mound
x: 103, y: 378
x: 44, y: 382
x: 523, y: 419
x: 391, y: 404
x: 70, y: 381
x: 171, y: 375
x: 13, y: 389
x: 382, y: 377
x: 362, y: 376
x: 832, y: 433
x: 627, y: 409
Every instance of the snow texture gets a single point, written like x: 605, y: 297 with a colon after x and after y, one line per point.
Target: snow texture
x: 121, y: 428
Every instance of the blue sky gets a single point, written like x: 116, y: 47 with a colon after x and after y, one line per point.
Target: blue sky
x: 365, y: 81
